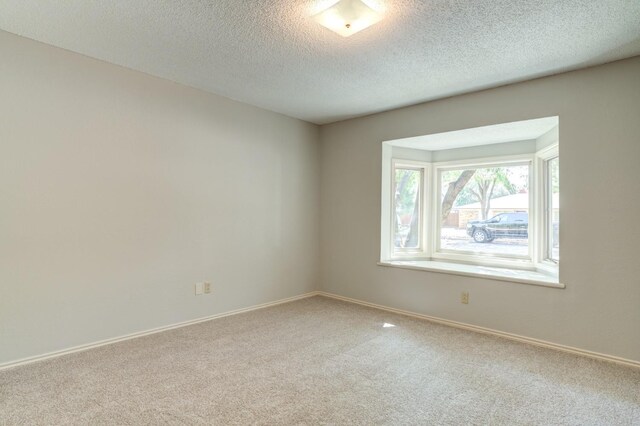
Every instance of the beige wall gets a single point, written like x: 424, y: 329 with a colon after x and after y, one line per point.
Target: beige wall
x: 599, y: 310
x: 120, y: 191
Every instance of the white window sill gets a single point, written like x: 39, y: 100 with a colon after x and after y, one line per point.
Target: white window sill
x: 501, y: 274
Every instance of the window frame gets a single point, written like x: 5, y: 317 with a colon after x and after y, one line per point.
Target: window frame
x: 431, y: 207
x: 437, y: 253
x: 544, y: 156
x: 425, y: 170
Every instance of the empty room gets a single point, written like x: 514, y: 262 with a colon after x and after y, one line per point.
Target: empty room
x: 372, y: 212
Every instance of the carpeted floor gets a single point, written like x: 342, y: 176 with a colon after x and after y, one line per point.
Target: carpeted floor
x: 320, y: 361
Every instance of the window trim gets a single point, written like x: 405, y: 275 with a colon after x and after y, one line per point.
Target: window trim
x: 520, y: 276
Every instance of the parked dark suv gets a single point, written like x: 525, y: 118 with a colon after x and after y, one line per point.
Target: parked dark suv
x: 510, y: 225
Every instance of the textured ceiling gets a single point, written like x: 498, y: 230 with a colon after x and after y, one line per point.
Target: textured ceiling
x: 270, y: 53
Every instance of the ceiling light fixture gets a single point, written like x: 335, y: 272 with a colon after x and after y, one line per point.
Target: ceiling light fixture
x: 347, y: 17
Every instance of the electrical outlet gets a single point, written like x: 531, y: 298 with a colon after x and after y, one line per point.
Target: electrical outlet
x: 199, y: 289
x: 207, y: 287
x: 464, y: 297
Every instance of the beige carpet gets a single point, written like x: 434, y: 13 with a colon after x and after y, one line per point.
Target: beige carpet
x: 320, y: 361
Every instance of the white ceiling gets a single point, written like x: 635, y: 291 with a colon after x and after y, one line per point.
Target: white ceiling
x: 270, y: 53
x: 497, y: 133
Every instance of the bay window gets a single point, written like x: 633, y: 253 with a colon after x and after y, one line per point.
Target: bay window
x: 470, y: 209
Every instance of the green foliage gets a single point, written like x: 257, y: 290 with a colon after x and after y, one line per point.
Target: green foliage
x: 407, y: 185
x: 488, y: 183
x: 407, y: 195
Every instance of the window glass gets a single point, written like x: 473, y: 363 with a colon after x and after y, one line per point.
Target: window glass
x: 520, y: 217
x: 407, y: 208
x: 485, y: 211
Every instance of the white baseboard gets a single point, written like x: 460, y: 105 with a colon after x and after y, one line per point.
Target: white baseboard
x: 88, y: 346
x: 510, y: 336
